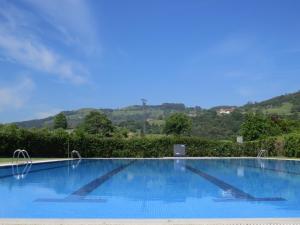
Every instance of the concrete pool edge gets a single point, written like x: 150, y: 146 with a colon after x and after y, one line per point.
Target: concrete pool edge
x: 239, y: 221
x: 208, y: 157
x: 162, y: 158
x: 37, y: 162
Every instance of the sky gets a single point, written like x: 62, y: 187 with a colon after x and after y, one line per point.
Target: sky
x: 68, y: 54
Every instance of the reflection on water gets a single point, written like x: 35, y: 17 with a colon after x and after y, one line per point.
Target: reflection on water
x: 75, y: 163
x: 179, y: 165
x: 240, y: 171
x: 148, y: 187
x: 20, y: 171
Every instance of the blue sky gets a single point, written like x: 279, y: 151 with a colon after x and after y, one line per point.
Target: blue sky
x: 61, y: 55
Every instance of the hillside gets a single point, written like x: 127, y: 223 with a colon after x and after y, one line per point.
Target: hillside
x: 206, y: 122
x: 131, y: 113
x: 287, y: 105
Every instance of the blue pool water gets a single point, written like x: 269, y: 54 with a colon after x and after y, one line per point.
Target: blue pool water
x: 206, y: 188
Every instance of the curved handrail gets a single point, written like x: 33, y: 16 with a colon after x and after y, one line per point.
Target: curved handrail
x: 22, y: 152
x: 21, y: 175
x: 262, y: 153
x: 77, y: 153
x: 14, y: 154
x: 15, y: 164
x: 27, y: 155
x: 75, y: 165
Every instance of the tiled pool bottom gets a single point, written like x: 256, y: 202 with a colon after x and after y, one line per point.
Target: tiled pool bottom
x: 174, y: 188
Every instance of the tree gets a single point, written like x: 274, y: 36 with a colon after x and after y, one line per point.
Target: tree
x: 178, y: 124
x: 98, y: 123
x: 60, y: 121
x: 258, y: 126
x: 120, y: 132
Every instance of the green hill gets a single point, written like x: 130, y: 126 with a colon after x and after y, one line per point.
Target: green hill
x: 286, y: 105
x: 131, y: 113
x: 206, y: 122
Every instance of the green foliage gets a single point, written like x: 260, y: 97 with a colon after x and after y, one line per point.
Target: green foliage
x: 130, y: 117
x: 259, y: 126
x: 178, y: 124
x: 60, y: 121
x: 211, y: 125
x: 281, y: 105
x: 206, y: 123
x: 286, y: 145
x: 98, y: 123
x: 47, y: 143
x: 40, y: 142
x: 296, y: 108
x: 54, y: 143
x: 131, y: 125
x: 120, y: 132
x: 292, y: 145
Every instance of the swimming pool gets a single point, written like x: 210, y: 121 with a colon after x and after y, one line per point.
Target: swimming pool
x: 152, y: 188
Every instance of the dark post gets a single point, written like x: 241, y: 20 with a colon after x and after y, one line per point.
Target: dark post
x: 144, y: 102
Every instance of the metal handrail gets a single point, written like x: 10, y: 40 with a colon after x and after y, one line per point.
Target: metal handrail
x: 261, y: 153
x: 75, y: 165
x: 18, y: 174
x: 77, y: 153
x: 22, y: 152
x: 21, y: 175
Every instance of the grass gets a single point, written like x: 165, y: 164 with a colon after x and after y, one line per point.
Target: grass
x: 156, y: 122
x: 8, y: 160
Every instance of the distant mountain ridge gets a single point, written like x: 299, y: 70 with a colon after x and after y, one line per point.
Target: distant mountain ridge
x: 134, y: 112
x: 286, y: 105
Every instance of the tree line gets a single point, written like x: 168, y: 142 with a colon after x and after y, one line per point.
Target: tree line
x: 253, y: 126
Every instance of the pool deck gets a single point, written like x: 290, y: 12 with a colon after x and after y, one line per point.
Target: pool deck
x: 163, y: 158
x: 283, y: 221
x: 35, y: 162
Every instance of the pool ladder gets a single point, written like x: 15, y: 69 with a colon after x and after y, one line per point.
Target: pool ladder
x: 18, y: 153
x: 75, y: 165
x: 20, y: 173
x: 74, y: 152
x: 262, y: 153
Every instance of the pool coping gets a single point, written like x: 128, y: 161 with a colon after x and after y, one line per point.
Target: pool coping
x: 36, y: 162
x: 225, y: 221
x: 204, y: 157
x: 161, y: 158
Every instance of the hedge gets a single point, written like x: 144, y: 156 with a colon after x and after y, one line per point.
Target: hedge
x: 55, y: 144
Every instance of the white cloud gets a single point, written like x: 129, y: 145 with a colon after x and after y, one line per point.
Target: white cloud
x: 14, y: 96
x: 39, y: 57
x: 72, y: 18
x: 21, y: 41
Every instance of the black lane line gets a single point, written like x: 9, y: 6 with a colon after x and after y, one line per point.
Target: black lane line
x: 42, y: 169
x: 88, y: 188
x: 235, y: 192
x: 80, y: 195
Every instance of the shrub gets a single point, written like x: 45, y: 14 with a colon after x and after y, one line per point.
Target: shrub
x: 46, y: 143
x: 292, y: 145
